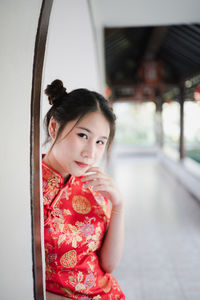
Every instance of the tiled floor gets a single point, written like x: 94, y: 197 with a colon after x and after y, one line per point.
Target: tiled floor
x: 161, y: 258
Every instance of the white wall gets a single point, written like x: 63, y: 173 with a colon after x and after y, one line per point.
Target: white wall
x: 71, y: 49
x: 111, y: 13
x: 70, y: 53
x: 18, y: 25
x: 73, y: 59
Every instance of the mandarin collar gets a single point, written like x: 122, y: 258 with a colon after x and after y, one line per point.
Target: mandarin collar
x: 52, y: 183
x: 49, y: 174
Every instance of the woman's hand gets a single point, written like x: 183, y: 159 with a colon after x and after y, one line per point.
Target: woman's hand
x: 100, y: 181
x: 112, y: 247
x: 52, y: 296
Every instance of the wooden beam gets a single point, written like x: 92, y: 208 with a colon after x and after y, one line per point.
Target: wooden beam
x: 181, y: 142
x: 39, y: 53
x: 155, y: 42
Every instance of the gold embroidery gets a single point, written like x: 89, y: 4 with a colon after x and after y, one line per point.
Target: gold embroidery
x: 51, y: 184
x: 93, y: 246
x: 66, y: 212
x: 67, y: 291
x: 79, y: 287
x: 58, y: 200
x: 81, y: 205
x: 77, y: 281
x: 105, y: 284
x: 49, y: 270
x: 56, y: 212
x: 69, y: 259
x: 61, y: 240
x: 59, y: 224
x: 96, y: 297
x: 73, y: 235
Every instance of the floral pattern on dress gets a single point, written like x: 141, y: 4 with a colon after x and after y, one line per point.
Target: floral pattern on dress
x: 76, y: 220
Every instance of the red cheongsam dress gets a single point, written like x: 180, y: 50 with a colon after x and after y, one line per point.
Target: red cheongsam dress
x: 75, y: 221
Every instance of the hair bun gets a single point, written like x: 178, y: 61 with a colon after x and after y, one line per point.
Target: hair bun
x: 55, y: 91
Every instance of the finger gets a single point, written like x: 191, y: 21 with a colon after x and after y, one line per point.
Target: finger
x: 94, y: 182
x: 92, y: 177
x: 94, y: 169
x: 101, y: 188
x: 88, y: 177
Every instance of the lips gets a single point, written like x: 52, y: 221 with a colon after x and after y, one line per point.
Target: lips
x: 81, y: 165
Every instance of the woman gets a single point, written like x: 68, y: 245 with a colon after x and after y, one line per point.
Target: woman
x: 83, y: 235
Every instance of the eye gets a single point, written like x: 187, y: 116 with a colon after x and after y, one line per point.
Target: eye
x: 82, y: 135
x: 100, y: 142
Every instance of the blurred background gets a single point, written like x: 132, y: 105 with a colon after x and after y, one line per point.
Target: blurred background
x: 144, y: 59
x: 144, y: 56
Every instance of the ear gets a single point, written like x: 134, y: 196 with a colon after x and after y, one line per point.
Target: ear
x: 53, y: 128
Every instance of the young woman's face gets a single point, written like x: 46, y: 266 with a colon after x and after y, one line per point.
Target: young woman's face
x: 78, y: 149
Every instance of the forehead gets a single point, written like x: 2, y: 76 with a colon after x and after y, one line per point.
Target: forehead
x: 96, y: 122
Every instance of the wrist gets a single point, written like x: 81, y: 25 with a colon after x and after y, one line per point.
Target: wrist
x: 118, y: 207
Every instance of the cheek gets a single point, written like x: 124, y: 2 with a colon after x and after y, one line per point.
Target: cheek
x: 75, y: 144
x: 100, y: 153
x: 61, y: 148
x: 70, y: 144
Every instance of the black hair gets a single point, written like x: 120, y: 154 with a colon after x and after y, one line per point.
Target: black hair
x: 67, y: 107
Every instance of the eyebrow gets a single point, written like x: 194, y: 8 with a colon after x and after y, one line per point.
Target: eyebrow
x: 88, y: 130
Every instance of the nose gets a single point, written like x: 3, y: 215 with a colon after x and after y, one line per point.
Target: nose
x: 88, y: 151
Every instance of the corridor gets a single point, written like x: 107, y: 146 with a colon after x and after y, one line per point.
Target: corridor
x: 161, y: 259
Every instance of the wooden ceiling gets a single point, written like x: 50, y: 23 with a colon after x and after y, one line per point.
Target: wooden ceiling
x: 177, y: 48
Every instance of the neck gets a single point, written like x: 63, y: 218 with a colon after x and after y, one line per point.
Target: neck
x: 52, y: 162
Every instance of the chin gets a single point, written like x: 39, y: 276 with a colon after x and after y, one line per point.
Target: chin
x: 78, y: 173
